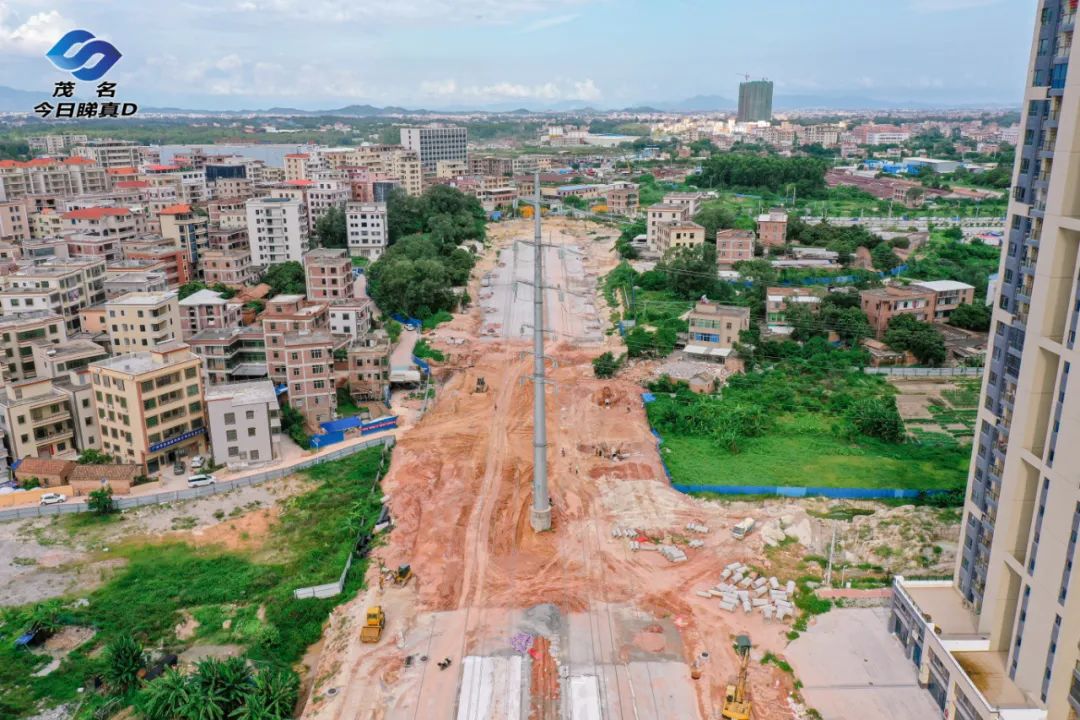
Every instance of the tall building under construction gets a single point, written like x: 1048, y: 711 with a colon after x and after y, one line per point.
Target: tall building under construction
x: 1000, y: 641
x: 755, y: 101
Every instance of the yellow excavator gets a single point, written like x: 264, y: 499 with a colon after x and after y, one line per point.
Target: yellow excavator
x: 736, y: 699
x: 374, y: 622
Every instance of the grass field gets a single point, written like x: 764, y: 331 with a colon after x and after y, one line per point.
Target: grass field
x: 801, y: 452
x: 253, y: 590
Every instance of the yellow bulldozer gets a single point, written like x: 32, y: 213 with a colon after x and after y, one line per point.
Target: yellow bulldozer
x: 736, y: 698
x: 373, y: 625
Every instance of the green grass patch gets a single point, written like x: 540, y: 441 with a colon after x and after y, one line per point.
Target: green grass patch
x: 360, y: 262
x: 771, y: 659
x: 423, y: 350
x: 801, y: 452
x: 345, y: 405
x: 432, y: 322
x: 308, y: 546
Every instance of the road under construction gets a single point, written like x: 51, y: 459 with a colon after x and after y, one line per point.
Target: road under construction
x: 570, y: 623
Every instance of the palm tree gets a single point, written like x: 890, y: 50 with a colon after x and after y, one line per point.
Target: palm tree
x: 168, y: 697
x: 124, y: 659
x: 273, y: 697
x: 219, y: 687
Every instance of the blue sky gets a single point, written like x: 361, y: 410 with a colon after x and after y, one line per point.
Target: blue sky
x: 232, y: 54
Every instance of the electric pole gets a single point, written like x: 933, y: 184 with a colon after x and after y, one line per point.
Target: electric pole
x: 541, y: 507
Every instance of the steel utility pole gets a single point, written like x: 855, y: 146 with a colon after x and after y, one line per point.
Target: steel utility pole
x: 541, y: 507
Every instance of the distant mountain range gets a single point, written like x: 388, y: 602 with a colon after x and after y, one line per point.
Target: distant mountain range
x: 14, y: 100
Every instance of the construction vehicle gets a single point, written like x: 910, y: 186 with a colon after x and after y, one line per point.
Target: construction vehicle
x: 373, y: 625
x: 736, y: 698
x: 481, y: 385
x: 742, y: 529
x: 399, y: 577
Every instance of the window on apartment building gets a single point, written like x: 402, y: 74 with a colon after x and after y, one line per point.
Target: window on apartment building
x: 233, y: 450
x: 230, y: 418
x: 250, y: 414
x: 230, y: 435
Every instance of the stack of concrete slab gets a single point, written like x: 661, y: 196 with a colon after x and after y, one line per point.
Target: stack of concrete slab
x: 673, y: 553
x: 741, y: 587
x: 697, y: 528
x: 624, y: 532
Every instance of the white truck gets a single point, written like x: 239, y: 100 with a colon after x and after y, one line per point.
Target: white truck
x: 743, y: 529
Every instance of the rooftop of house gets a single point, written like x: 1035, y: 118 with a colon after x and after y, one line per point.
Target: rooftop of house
x: 143, y: 298
x: 145, y: 362
x: 31, y: 466
x: 314, y: 337
x: 243, y: 393
x: 943, y: 285
x: 705, y: 307
x: 203, y: 297
x: 895, y: 292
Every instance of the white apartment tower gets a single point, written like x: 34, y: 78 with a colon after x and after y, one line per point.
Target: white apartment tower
x: 434, y: 143
x: 277, y: 230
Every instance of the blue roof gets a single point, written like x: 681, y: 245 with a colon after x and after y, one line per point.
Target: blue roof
x: 576, y: 187
x: 341, y: 424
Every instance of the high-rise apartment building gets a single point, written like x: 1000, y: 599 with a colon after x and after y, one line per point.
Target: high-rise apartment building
x: 277, y: 230
x: 434, y: 143
x: 1001, y: 640
x: 755, y: 101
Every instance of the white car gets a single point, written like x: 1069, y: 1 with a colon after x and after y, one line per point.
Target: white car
x: 53, y: 498
x: 195, y: 481
x: 197, y: 462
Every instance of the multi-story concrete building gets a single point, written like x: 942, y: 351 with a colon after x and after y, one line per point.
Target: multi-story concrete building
x: 110, y: 153
x: 779, y: 299
x: 142, y: 320
x: 286, y: 314
x: 277, y: 230
x: 365, y: 225
x: 883, y: 304
x: 63, y: 358
x: 309, y: 370
x: 328, y: 275
x: 63, y: 286
x: 112, y: 223
x: 689, y: 200
x: 434, y: 143
x: 755, y: 101
x: 733, y: 246
x: 1003, y: 639
x: 231, y: 354
x: 20, y: 333
x: 659, y: 214
x: 323, y: 194
x: 228, y: 213
x: 679, y: 234
x: 207, y: 310
x: 37, y: 419
x: 715, y: 328
x: 245, y: 423
x: 93, y: 244
x: 228, y: 267
x: 45, y: 176
x: 54, y: 144
x: 623, y: 200
x: 120, y: 282
x: 186, y: 228
x: 14, y: 222
x: 369, y: 366
x: 170, y: 259
x: 948, y: 295
x: 772, y: 228
x: 351, y: 318
x: 150, y: 406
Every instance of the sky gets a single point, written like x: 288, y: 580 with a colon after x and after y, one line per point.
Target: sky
x: 318, y: 54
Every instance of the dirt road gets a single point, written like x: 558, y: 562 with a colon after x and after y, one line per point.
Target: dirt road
x: 566, y: 624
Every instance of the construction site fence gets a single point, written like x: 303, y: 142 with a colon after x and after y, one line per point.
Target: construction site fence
x: 126, y: 503
x: 925, y: 372
x: 327, y: 590
x: 800, y: 492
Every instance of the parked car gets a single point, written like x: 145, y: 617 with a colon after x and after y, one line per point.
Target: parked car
x: 53, y: 498
x: 201, y: 480
x: 178, y: 468
x: 197, y: 462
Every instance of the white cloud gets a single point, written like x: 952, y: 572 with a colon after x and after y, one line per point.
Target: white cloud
x: 35, y: 35
x: 548, y: 22
x: 548, y: 91
x: 233, y: 75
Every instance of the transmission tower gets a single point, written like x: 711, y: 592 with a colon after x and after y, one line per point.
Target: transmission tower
x: 541, y: 507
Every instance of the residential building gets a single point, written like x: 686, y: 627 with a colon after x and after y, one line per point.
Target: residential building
x: 227, y: 213
x: 54, y: 144
x: 734, y: 246
x: 690, y: 200
x: 207, y: 310
x: 110, y: 153
x: 883, y: 304
x: 772, y: 228
x: 1002, y: 640
x: 150, y: 406
x: 323, y: 194
x: 162, y: 255
x: 351, y: 318
x: 142, y: 320
x: 227, y: 267
x: 37, y: 419
x: 286, y: 314
x: 451, y: 169
x: 948, y: 295
x: 231, y: 239
x: 186, y: 229
x: 436, y: 142
x: 623, y: 200
x: 369, y: 366
x: 114, y: 223
x: 328, y: 275
x: 245, y: 423
x: 93, y: 244
x: 679, y: 234
x: 61, y: 286
x: 366, y: 229
x: 45, y: 176
x: 20, y: 333
x: 231, y: 354
x: 755, y: 101
x: 14, y: 222
x: 59, y: 360
x: 277, y: 230
x: 779, y: 299
x: 309, y: 372
x: 663, y: 213
x: 714, y: 329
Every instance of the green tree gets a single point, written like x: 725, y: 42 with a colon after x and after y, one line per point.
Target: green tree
x: 923, y: 340
x: 330, y: 229
x: 884, y: 258
x: 749, y: 171
x: 691, y: 271
x: 95, y: 457
x: 971, y: 317
x: 190, y: 288
x: 876, y: 417
x: 168, y: 697
x: 273, y: 696
x: 714, y: 218
x: 850, y: 323
x: 624, y: 245
x: 219, y: 688
x: 286, y: 278
x: 101, y: 501
x: 575, y: 202
x: 124, y: 658
x: 605, y: 365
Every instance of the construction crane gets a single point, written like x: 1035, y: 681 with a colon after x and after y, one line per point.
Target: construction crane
x: 736, y: 699
x: 745, y: 76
